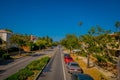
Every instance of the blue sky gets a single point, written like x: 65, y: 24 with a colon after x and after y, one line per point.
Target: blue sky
x: 56, y: 18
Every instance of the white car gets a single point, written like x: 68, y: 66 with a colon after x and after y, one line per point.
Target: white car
x: 76, y: 50
x: 74, y: 67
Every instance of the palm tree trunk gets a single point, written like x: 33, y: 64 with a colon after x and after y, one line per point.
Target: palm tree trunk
x: 19, y: 51
x: 88, y: 60
x: 118, y: 66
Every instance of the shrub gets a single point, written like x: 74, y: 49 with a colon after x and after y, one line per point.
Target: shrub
x: 13, y: 49
x: 6, y: 56
x: 2, y: 52
x: 83, y: 54
x: 100, y: 58
x: 21, y: 75
x: 38, y: 64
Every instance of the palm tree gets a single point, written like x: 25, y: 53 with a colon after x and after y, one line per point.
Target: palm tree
x: 117, y: 25
x: 80, y: 23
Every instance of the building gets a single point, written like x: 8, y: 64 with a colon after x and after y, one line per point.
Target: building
x: 5, y: 35
x: 33, y: 38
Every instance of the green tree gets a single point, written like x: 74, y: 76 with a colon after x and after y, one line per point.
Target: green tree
x: 88, y: 42
x: 55, y: 43
x: 9, y: 30
x: 20, y: 40
x: 117, y: 25
x: 70, y: 42
x: 97, y: 41
x: 48, y: 40
x: 41, y: 43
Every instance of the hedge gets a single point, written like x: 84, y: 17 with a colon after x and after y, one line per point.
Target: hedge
x: 23, y: 74
x: 6, y: 56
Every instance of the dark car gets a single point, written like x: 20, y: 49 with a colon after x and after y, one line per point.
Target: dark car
x: 79, y: 76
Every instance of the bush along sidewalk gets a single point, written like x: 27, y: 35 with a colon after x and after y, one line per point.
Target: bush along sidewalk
x: 31, y: 70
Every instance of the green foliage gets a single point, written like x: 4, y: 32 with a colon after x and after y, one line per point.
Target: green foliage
x: 20, y: 39
x: 100, y: 58
x: 44, y: 42
x: 6, y: 56
x: 70, y: 41
x: 55, y: 43
x: 13, y: 49
x: 84, y: 54
x: 41, y: 43
x: 117, y: 24
x: 38, y: 64
x: 23, y: 74
x: 2, y: 52
x: 9, y: 30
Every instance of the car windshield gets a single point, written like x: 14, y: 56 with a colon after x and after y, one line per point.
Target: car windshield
x: 69, y: 58
x: 66, y: 55
x: 74, y: 64
x: 84, y: 77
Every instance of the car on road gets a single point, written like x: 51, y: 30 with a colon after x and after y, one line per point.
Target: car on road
x: 74, y: 67
x: 79, y: 76
x: 67, y: 59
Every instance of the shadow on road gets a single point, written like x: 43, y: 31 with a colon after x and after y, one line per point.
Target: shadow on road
x: 5, y: 62
x: 35, y: 55
x: 2, y: 71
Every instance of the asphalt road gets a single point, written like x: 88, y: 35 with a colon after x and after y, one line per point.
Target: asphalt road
x: 7, y: 70
x: 56, y: 69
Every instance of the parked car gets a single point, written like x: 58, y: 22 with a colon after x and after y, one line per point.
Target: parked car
x: 79, y: 76
x: 76, y: 50
x: 67, y: 59
x: 74, y: 67
x: 66, y: 55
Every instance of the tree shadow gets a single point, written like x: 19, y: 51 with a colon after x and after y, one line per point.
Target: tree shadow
x: 35, y: 55
x: 2, y: 71
x: 5, y: 62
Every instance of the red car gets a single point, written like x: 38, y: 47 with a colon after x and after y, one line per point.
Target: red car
x: 67, y: 59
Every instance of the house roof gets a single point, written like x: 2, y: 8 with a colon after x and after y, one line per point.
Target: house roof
x: 4, y: 31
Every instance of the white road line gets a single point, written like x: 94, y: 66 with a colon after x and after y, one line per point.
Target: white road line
x: 63, y: 66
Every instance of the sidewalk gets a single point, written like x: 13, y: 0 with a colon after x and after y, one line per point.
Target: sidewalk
x: 96, y: 72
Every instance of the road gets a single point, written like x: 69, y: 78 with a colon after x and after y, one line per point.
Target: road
x: 56, y: 69
x: 7, y: 70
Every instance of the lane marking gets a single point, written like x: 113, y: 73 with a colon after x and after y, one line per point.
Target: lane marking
x: 63, y: 65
